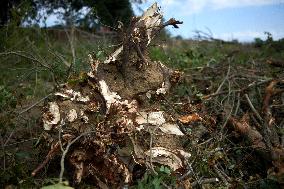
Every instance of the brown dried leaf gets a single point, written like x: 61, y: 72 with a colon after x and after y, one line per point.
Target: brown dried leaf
x: 190, y: 118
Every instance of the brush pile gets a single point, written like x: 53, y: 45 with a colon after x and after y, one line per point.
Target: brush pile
x: 245, y: 146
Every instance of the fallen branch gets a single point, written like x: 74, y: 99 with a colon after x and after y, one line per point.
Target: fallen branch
x: 253, y: 108
x: 204, y: 181
x: 276, y: 63
x: 253, y: 84
x: 221, y: 175
x: 270, y: 91
x: 66, y: 151
x: 246, y: 130
x: 51, y: 154
x: 36, y: 103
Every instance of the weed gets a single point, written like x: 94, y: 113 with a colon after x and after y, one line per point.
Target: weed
x: 157, y: 181
x: 7, y: 99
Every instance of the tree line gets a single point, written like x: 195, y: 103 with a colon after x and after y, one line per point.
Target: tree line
x: 83, y: 13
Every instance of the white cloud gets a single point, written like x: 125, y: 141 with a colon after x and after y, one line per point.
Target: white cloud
x: 221, y: 4
x: 187, y: 7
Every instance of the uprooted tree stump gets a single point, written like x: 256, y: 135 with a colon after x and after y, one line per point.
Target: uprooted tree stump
x: 101, y: 126
x: 106, y: 131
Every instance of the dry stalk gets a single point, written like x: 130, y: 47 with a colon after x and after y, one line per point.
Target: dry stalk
x: 71, y: 42
x: 140, y: 54
x: 33, y: 105
x: 23, y: 141
x: 33, y: 59
x: 221, y: 175
x: 228, y: 114
x: 188, y: 173
x: 253, y: 108
x: 175, y: 115
x: 4, y: 154
x: 253, y: 84
x: 11, y: 134
x: 224, y: 80
x: 25, y: 55
x: 60, y: 57
x: 204, y: 181
x: 170, y: 22
x: 152, y: 132
x: 238, y: 105
x: 49, y: 156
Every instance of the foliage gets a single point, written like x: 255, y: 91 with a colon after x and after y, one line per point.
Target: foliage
x: 16, y: 11
x: 7, y: 100
x: 188, y: 54
x: 156, y: 181
x: 111, y: 11
x: 258, y: 42
x: 83, y: 13
x: 269, y: 43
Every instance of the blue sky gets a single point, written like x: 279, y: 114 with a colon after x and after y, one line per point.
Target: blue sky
x: 226, y: 19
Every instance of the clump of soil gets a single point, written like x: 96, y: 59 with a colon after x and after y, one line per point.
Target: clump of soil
x: 136, y: 81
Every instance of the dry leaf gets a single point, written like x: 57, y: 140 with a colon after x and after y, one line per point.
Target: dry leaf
x: 166, y: 157
x: 190, y: 118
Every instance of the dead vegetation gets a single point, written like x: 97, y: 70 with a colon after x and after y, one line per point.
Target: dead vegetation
x: 122, y: 124
x: 247, y: 105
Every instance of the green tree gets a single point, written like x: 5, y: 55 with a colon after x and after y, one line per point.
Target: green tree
x: 16, y: 11
x: 111, y: 11
x: 107, y: 11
